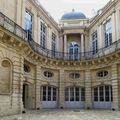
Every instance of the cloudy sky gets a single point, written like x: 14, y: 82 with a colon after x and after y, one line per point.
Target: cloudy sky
x: 58, y: 7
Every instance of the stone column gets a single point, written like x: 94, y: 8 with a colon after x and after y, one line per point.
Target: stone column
x: 113, y: 27
x: 61, y: 48
x: 61, y: 89
x: 82, y: 43
x: 88, y: 89
x: 65, y: 43
x: 38, y: 77
x: 115, y: 87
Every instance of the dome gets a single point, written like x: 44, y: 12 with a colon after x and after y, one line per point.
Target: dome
x: 73, y: 15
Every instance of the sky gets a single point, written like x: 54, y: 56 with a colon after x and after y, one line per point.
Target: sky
x: 57, y: 8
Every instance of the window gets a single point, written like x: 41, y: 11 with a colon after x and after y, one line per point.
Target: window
x: 28, y: 24
x: 43, y: 35
x: 74, y: 75
x: 103, y: 94
x: 103, y: 73
x: 74, y: 94
x: 26, y: 68
x: 48, y: 74
x: 53, y: 44
x: 94, y: 42
x: 49, y: 93
x: 108, y: 33
x: 73, y: 51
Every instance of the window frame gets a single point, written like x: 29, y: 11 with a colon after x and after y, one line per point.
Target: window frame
x: 95, y: 42
x: 108, y: 33
x: 30, y: 32
x: 43, y: 35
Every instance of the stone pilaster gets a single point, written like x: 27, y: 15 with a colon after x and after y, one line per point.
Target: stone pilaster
x: 61, y: 89
x: 49, y: 38
x: 115, y: 87
x: 20, y: 12
x: 113, y: 27
x: 21, y: 82
x: 38, y: 29
x: 88, y: 89
x: 38, y: 77
x: 117, y: 22
x: 100, y: 36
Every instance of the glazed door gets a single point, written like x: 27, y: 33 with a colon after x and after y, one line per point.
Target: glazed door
x: 49, y: 97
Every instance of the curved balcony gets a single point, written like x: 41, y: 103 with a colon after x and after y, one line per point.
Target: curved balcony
x: 20, y: 32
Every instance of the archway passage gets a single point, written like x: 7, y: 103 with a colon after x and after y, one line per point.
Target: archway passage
x: 25, y: 96
x: 103, y: 97
x: 74, y: 97
x: 49, y: 97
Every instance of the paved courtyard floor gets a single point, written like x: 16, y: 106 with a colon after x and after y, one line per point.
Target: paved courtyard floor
x: 56, y: 114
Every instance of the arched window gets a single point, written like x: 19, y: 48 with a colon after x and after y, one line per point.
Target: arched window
x: 73, y: 50
x: 5, y: 77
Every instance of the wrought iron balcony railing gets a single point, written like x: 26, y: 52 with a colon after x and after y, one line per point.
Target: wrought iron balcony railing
x: 12, y: 27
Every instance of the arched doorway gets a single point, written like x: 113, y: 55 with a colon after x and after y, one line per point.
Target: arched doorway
x: 25, y: 96
x: 49, y: 97
x: 103, y: 97
x: 74, y: 97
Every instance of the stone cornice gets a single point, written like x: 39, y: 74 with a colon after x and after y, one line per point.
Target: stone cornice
x: 45, y: 13
x: 105, y: 9
x: 14, y: 42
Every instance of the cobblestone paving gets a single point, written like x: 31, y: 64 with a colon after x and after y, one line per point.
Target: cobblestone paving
x: 67, y: 115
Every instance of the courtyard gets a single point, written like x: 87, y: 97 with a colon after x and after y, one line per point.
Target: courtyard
x: 67, y: 114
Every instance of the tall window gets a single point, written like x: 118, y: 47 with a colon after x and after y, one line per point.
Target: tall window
x: 28, y: 24
x: 103, y: 94
x: 108, y: 33
x: 73, y: 51
x: 94, y: 42
x: 43, y: 35
x: 74, y: 94
x: 49, y: 93
x: 53, y: 44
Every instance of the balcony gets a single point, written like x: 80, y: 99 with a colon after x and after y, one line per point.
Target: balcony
x: 12, y: 27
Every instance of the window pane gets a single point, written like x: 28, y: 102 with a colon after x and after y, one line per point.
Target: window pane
x: 54, y: 94
x: 111, y: 93
x: 66, y: 94
x: 44, y: 93
x: 49, y: 93
x: 107, y: 96
x: 82, y: 94
x: 101, y: 93
x: 95, y: 94
x: 71, y: 94
x: 77, y: 92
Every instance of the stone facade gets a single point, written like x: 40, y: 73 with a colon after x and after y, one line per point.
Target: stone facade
x: 31, y: 78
